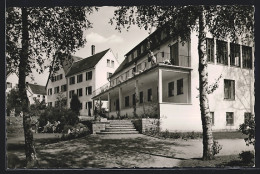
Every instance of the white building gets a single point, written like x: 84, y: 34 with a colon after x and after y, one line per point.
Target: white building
x: 35, y: 93
x: 169, y: 91
x: 11, y: 81
x: 83, y: 77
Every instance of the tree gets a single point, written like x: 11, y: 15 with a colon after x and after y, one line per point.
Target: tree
x: 12, y: 101
x: 62, y: 100
x: 221, y: 21
x: 75, y: 104
x: 40, y: 38
x: 248, y: 128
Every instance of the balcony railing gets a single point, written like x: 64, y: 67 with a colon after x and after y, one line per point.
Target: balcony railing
x: 161, y: 57
x: 166, y: 58
x: 102, y: 89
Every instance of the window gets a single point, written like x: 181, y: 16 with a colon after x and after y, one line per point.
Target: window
x: 61, y: 76
x: 108, y: 63
x: 80, y: 106
x: 127, y: 75
x: 56, y: 90
x: 109, y: 74
x: 139, y: 66
x: 212, y: 118
x: 79, y: 92
x: 135, y: 53
x: 49, y: 103
x: 247, y: 116
x: 170, y: 89
x: 79, y: 78
x: 127, y: 101
x: 149, y: 94
x: 50, y: 91
x: 43, y: 96
x: 38, y: 96
x: 8, y: 85
x: 72, y: 80
x: 89, y: 90
x: 222, y: 54
x: 90, y: 105
x: 134, y: 100
x: 234, y: 54
x: 210, y: 49
x: 56, y: 103
x: 89, y: 75
x: 179, y: 86
x: 174, y: 54
x: 112, y: 63
x: 247, y: 57
x: 63, y: 88
x: 71, y: 93
x: 141, y: 97
x: 229, y: 89
x: 230, y: 118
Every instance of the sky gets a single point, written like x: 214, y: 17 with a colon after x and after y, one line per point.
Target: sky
x: 103, y: 35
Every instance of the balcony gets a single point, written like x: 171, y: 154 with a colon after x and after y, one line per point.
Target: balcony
x: 161, y: 57
x: 182, y: 60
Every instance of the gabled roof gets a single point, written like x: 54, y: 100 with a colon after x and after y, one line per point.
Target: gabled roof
x: 86, y: 63
x: 65, y: 66
x: 37, y: 89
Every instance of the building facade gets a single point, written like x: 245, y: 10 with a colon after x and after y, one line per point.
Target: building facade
x: 36, y: 93
x: 83, y: 77
x: 164, y: 83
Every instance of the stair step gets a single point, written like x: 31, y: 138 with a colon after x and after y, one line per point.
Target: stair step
x: 124, y: 132
x: 118, y: 130
x: 118, y: 127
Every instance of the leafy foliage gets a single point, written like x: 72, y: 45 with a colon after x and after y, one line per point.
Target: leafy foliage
x: 216, y: 147
x: 222, y: 21
x: 65, y: 116
x: 13, y: 101
x: 75, y: 104
x: 53, y: 32
x: 247, y: 157
x: 248, y: 128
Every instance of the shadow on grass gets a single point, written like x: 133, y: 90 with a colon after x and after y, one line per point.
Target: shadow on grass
x: 95, y: 152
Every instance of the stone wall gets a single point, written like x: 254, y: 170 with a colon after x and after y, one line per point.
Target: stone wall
x: 98, y: 126
x: 149, y: 123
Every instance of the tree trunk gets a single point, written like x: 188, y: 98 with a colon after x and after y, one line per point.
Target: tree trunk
x: 28, y: 135
x: 203, y: 86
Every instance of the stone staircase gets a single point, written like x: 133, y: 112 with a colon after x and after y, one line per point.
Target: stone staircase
x: 119, y: 127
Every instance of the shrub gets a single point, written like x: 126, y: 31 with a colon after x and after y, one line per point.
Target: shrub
x: 77, y: 131
x: 138, y: 125
x: 248, y: 128
x: 247, y: 156
x: 216, y: 147
x: 75, y: 104
x: 65, y: 116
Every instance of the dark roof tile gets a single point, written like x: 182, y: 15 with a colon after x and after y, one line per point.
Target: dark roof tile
x: 86, y: 63
x: 37, y: 89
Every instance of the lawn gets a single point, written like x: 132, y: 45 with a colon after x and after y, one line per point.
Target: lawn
x: 117, y: 151
x: 125, y: 152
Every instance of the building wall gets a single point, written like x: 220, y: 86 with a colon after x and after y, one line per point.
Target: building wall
x: 187, y: 117
x: 13, y: 79
x: 31, y: 96
x: 99, y: 78
x: 85, y: 83
x: 51, y: 85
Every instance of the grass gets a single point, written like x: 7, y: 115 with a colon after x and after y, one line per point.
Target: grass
x: 195, y: 135
x: 218, y: 161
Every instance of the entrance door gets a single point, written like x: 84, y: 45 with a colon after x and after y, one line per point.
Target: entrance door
x: 89, y: 108
x: 117, y: 104
x: 174, y: 54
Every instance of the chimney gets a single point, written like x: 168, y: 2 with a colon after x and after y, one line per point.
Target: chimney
x: 92, y: 50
